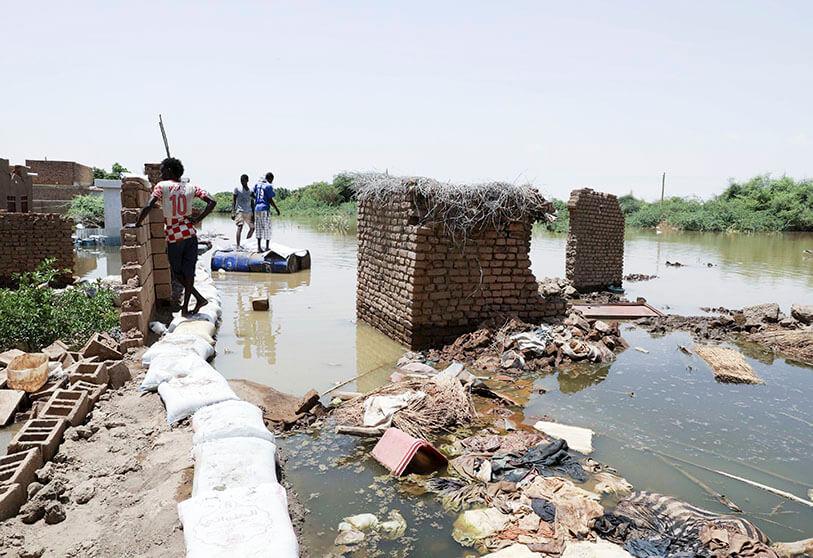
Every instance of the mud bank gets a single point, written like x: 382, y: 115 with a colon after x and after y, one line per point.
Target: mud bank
x: 114, y: 486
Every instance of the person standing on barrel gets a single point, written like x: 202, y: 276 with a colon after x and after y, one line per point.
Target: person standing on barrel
x: 179, y: 226
x: 263, y: 202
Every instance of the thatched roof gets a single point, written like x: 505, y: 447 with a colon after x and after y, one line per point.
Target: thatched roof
x: 461, y: 208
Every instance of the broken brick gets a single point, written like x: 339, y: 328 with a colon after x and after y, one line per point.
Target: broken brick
x: 12, y: 498
x: 118, y: 372
x: 46, y: 391
x: 102, y: 346
x: 20, y: 468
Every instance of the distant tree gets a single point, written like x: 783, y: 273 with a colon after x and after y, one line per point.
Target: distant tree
x: 115, y: 172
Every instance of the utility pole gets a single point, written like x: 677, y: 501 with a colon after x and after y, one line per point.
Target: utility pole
x: 163, y: 134
x: 663, y: 185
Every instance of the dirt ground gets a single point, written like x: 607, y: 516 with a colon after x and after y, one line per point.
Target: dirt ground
x: 135, y: 471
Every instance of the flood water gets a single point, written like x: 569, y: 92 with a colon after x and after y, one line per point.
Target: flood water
x: 664, y: 401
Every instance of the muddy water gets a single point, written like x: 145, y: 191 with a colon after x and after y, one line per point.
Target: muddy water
x: 663, y: 401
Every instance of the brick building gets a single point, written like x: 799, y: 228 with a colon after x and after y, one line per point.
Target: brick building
x: 57, y: 183
x: 16, y: 188
x: 435, y: 261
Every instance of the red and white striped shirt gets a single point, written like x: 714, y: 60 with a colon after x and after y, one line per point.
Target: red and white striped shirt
x: 177, y: 226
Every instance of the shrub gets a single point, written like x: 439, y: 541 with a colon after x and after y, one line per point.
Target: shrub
x: 87, y: 210
x: 35, y: 315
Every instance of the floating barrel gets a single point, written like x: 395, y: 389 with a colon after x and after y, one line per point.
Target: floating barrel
x: 280, y: 259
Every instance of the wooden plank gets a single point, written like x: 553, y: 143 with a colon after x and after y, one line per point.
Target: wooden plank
x: 618, y: 310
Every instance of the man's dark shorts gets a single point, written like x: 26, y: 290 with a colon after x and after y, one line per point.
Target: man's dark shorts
x: 183, y: 255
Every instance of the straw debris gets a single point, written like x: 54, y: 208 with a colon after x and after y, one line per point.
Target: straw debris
x: 460, y: 208
x: 797, y: 344
x: 728, y: 365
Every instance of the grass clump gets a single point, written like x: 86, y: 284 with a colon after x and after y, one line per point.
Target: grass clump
x: 34, y: 315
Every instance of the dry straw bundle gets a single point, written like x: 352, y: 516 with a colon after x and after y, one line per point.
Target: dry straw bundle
x: 460, y: 208
x: 447, y: 404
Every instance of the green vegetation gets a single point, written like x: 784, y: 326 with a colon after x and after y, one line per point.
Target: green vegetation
x: 34, y: 315
x: 223, y: 200
x: 87, y: 210
x: 115, y: 172
x: 761, y: 204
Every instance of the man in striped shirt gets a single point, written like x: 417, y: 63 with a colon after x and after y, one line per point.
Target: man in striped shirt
x: 179, y: 225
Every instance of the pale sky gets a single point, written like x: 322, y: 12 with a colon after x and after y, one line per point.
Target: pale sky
x: 561, y: 94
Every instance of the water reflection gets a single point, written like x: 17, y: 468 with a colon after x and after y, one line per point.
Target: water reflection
x: 581, y: 376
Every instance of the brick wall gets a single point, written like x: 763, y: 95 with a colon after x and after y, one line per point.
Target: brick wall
x: 595, y: 240
x: 62, y: 173
x: 423, y: 288
x: 144, y: 263
x: 28, y: 238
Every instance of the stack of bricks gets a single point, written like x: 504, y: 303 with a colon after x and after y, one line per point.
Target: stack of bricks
x: 424, y: 288
x: 162, y: 274
x: 28, y: 238
x: 595, y: 240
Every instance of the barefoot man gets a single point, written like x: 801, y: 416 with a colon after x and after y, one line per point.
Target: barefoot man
x: 242, y: 209
x: 179, y: 225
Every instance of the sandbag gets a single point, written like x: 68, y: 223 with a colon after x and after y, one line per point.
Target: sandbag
x: 233, y: 463
x: 201, y: 328
x: 185, y: 395
x: 250, y: 523
x: 211, y: 313
x: 178, y: 345
x: 230, y: 419
x: 167, y: 366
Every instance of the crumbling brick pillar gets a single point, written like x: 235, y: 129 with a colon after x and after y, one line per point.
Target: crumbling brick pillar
x: 424, y: 287
x: 143, y: 261
x: 595, y: 240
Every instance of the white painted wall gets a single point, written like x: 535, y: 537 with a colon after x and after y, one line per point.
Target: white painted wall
x: 111, y: 190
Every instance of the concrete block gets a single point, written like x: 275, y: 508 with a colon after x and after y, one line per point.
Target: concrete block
x: 10, y: 400
x: 20, y: 468
x: 160, y: 260
x: 43, y: 434
x: 163, y: 291
x: 118, y: 372
x: 92, y: 372
x: 55, y: 350
x: 161, y: 276
x: 102, y: 348
x: 72, y: 405
x: 8, y: 356
x: 46, y: 391
x: 93, y: 391
x: 12, y: 498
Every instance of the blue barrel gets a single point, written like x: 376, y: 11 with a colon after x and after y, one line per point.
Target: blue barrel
x: 232, y: 260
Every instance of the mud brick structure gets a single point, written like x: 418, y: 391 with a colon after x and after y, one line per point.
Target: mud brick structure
x: 424, y: 284
x: 16, y: 188
x: 595, y: 240
x: 56, y: 183
x: 144, y: 262
x: 28, y: 238
x: 44, y: 435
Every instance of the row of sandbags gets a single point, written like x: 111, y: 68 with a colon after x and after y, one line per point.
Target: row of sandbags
x: 237, y: 508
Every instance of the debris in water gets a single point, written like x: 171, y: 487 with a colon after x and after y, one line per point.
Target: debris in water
x: 577, y: 438
x: 642, y: 350
x: 728, y: 365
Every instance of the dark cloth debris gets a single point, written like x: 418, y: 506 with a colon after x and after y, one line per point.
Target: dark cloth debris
x: 544, y: 509
x: 547, y: 460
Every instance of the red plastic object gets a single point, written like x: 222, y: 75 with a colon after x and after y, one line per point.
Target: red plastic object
x: 398, y: 451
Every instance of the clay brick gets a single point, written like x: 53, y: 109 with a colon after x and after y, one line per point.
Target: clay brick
x: 44, y: 435
x: 93, y: 391
x: 12, y: 498
x: 92, y: 372
x: 72, y: 405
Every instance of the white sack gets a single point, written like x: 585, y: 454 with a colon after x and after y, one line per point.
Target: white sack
x: 202, y: 328
x: 183, y: 396
x: 167, y: 366
x: 249, y: 523
x: 233, y: 463
x: 378, y: 410
x: 178, y: 345
x: 230, y: 419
